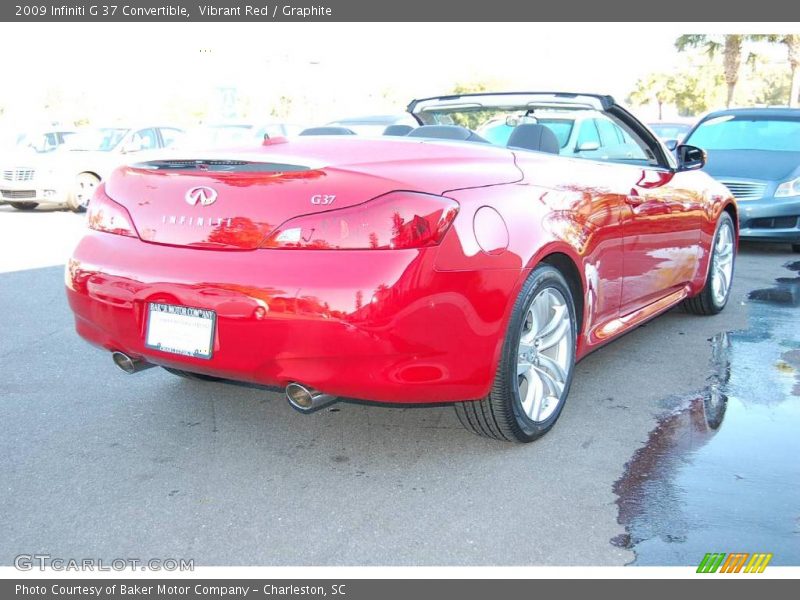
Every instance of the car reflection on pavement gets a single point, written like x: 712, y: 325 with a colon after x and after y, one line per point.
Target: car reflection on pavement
x: 720, y: 472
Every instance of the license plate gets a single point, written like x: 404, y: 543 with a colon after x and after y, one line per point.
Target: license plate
x: 180, y: 329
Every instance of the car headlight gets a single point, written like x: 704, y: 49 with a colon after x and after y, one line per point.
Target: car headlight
x: 788, y: 188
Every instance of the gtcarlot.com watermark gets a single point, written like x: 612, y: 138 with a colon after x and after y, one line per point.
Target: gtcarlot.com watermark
x: 43, y: 562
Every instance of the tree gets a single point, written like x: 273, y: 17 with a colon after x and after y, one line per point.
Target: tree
x: 283, y: 109
x: 656, y: 86
x: 694, y: 89
x: 699, y: 88
x: 772, y: 88
x: 792, y: 43
x: 466, y: 118
x: 732, y: 54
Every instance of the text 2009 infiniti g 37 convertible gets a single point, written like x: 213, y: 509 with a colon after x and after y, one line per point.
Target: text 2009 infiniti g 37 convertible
x: 434, y: 267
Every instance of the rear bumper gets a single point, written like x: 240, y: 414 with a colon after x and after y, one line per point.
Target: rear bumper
x: 375, y: 325
x: 770, y: 219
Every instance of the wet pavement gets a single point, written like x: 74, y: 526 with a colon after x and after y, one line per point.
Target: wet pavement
x: 158, y: 466
x: 721, y: 471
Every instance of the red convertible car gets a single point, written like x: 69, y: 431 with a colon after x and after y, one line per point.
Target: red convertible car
x: 432, y: 267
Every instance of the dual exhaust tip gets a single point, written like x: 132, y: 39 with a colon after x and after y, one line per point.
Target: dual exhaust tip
x: 301, y: 398
x: 128, y: 364
x: 307, y: 399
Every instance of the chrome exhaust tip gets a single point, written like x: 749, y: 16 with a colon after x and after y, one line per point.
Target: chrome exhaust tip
x: 128, y: 364
x: 307, y: 399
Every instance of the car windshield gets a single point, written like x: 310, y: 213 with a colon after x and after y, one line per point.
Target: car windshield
x: 498, y: 130
x: 41, y: 142
x: 735, y: 132
x: 582, y: 126
x: 97, y: 140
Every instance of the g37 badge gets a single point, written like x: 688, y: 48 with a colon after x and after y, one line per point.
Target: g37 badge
x: 323, y: 199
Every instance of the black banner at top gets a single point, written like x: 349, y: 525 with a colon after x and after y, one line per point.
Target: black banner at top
x: 399, y: 11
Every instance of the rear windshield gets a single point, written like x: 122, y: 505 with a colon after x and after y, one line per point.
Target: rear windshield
x: 732, y: 132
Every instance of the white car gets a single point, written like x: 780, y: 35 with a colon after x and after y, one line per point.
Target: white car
x: 229, y: 135
x: 44, y: 141
x: 69, y: 175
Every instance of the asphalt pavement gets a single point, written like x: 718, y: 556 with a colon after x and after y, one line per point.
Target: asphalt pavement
x: 96, y: 463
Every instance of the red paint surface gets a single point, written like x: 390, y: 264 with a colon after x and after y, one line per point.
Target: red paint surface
x: 397, y: 325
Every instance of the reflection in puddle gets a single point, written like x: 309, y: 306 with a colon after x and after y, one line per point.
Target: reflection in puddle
x: 721, y: 473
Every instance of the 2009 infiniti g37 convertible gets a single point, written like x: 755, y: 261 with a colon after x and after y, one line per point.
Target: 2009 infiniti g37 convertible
x: 434, y: 267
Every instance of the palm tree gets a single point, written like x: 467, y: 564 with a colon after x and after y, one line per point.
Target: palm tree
x: 658, y: 86
x: 731, y: 46
x: 792, y: 43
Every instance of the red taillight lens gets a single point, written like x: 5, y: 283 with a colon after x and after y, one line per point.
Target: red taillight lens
x: 393, y: 221
x: 106, y: 215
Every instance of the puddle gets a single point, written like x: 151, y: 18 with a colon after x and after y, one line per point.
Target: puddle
x: 786, y: 291
x: 721, y: 472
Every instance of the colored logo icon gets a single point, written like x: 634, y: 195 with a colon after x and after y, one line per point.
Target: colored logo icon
x: 736, y: 562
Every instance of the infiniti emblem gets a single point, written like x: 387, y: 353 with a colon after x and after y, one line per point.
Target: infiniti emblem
x: 201, y: 195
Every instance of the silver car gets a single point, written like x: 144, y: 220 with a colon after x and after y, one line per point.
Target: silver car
x: 69, y: 175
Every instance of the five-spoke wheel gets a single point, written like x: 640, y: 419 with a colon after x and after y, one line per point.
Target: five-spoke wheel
x: 535, y: 371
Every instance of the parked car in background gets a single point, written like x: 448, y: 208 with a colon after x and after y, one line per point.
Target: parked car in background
x: 670, y: 131
x: 228, y: 135
x: 44, y: 141
x: 69, y: 175
x: 17, y: 160
x: 755, y: 152
x: 449, y: 270
x: 373, y: 124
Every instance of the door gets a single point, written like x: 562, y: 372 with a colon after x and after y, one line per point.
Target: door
x: 661, y: 226
x: 661, y: 218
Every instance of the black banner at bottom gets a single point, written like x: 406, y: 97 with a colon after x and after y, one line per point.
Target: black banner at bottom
x: 383, y: 589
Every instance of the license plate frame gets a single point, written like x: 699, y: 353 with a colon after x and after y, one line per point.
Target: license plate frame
x: 161, y: 316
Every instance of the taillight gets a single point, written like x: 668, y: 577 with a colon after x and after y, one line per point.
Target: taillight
x: 393, y: 221
x: 106, y: 215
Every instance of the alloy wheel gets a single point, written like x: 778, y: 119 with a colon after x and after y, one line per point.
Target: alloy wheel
x: 544, y: 355
x: 722, y: 264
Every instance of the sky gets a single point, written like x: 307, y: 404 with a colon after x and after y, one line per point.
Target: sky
x: 125, y: 71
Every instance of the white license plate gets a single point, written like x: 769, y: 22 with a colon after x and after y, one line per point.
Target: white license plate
x: 180, y: 329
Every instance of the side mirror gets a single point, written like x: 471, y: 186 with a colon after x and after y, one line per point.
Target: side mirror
x: 588, y: 147
x: 690, y: 158
x: 671, y: 145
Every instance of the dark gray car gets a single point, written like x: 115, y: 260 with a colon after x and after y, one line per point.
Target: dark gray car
x: 755, y: 152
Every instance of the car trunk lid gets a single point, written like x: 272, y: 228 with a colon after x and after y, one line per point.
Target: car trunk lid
x: 233, y: 202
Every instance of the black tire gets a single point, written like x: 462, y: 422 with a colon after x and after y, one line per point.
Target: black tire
x: 193, y: 376
x: 705, y: 303
x: 24, y: 205
x: 500, y: 415
x: 796, y: 248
